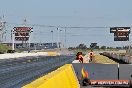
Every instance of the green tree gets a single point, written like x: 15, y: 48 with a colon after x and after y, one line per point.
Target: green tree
x: 81, y: 46
x: 103, y: 47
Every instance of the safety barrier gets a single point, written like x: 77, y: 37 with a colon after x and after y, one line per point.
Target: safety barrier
x: 63, y: 77
x: 98, y: 75
x: 120, y: 57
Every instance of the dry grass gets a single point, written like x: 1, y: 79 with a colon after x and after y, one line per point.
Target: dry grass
x: 103, y: 59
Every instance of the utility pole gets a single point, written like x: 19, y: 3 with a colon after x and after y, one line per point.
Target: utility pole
x: 65, y: 39
x: 27, y: 44
x: 58, y: 38
x: 24, y: 24
x: 29, y: 40
x: 129, y: 45
x: 12, y: 36
x: 2, y: 29
x: 52, y: 36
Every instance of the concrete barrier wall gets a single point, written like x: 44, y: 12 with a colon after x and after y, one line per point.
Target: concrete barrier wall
x: 105, y: 71
x: 125, y: 72
x: 69, y: 76
x: 98, y: 71
x: 64, y: 77
x: 124, y: 58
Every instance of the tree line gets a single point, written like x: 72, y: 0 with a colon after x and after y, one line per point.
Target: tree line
x: 83, y: 46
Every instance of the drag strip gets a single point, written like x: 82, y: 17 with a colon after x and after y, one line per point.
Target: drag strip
x: 14, y: 73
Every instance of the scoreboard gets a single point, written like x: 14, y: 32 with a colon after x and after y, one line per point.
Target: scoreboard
x: 22, y: 29
x: 121, y: 38
x: 22, y: 33
x: 120, y: 33
x: 21, y: 38
x: 121, y: 29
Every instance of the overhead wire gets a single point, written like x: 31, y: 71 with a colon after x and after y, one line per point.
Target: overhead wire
x: 68, y: 27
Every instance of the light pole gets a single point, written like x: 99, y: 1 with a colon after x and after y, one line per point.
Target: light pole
x: 12, y: 36
x: 58, y: 37
x: 65, y: 39
x: 52, y: 36
x: 29, y: 39
x: 59, y: 40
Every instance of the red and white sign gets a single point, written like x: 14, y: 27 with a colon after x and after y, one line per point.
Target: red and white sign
x: 22, y: 29
x: 22, y: 33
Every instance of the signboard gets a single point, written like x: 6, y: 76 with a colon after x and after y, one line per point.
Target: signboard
x: 21, y: 38
x: 22, y: 29
x: 123, y: 29
x: 121, y: 38
x: 22, y: 33
x: 120, y: 33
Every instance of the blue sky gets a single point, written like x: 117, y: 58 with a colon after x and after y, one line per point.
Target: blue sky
x: 86, y: 13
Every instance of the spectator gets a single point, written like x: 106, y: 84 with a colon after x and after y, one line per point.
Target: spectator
x: 91, y: 56
x: 79, y: 58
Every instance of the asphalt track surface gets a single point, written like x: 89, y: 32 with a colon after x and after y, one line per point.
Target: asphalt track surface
x: 15, y: 73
